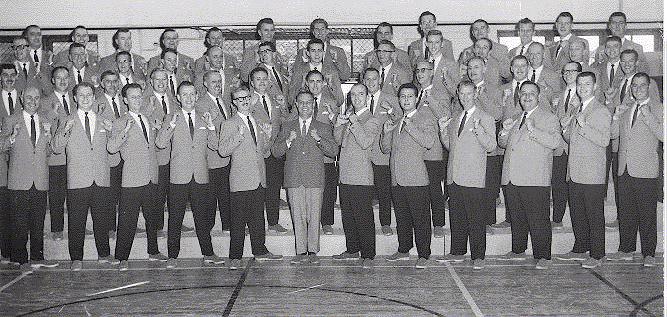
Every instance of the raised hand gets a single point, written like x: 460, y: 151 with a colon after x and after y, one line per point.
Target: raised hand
x: 388, y: 126
x: 209, y: 120
x: 334, y: 56
x: 172, y: 122
x: 444, y: 122
x: 314, y: 135
x: 530, y: 125
x: 292, y: 136
x: 266, y: 128
x: 128, y: 124
x: 508, y: 124
x: 68, y: 125
x: 107, y: 124
x: 342, y: 119
x: 354, y: 118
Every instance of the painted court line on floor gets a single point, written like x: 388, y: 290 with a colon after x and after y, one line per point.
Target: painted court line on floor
x: 12, y: 282
x: 464, y: 291
x: 305, y: 289
x: 119, y: 288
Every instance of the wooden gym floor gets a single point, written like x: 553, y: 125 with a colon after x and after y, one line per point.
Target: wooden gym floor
x: 335, y: 289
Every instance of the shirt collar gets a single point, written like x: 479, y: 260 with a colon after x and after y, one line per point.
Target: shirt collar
x: 471, y: 111
x: 567, y: 37
x: 528, y: 113
x: 159, y: 96
x: 585, y: 103
x: 185, y: 113
x: 361, y: 111
x: 411, y: 113
x: 479, y: 84
x: 306, y: 121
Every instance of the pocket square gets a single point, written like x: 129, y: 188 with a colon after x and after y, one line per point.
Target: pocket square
x: 202, y: 128
x: 102, y: 131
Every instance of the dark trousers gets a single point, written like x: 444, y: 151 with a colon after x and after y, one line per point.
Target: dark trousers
x: 587, y: 213
x: 494, y: 169
x: 382, y: 177
x: 28, y: 209
x: 247, y: 209
x: 5, y: 224
x: 637, y: 211
x: 467, y: 221
x: 330, y: 193
x: 163, y: 190
x: 116, y: 176
x: 274, y: 180
x: 80, y: 200
x: 445, y: 159
x: 612, y: 161
x: 199, y: 197
x: 57, y: 195
x: 529, y: 206
x: 436, y: 193
x: 559, y: 192
x: 413, y: 217
x: 358, y: 224
x: 219, y: 178
x: 132, y: 199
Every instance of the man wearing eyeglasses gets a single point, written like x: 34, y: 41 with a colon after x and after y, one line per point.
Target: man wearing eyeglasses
x: 27, y: 72
x: 247, y: 142
x: 278, y: 80
x: 266, y: 31
x: 319, y: 29
x: 392, y: 75
x: 385, y: 32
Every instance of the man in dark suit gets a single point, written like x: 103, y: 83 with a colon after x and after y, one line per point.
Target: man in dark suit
x: 640, y: 129
x: 134, y: 135
x: 319, y: 29
x: 246, y: 141
x: 469, y: 135
x: 417, y: 49
x: 190, y: 133
x: 529, y: 139
x: 305, y: 142
x: 27, y: 138
x: 326, y: 110
x: 385, y: 32
x: 587, y: 134
x: 355, y: 131
x: 383, y: 106
x: 122, y: 41
x: 408, y: 139
x: 83, y: 136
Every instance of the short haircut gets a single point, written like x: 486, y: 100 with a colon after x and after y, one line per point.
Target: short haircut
x: 478, y: 21
x: 613, y: 38
x: 587, y: 74
x: 25, y: 31
x: 71, y: 34
x: 435, y: 32
x: 314, y: 41
x: 318, y: 20
x: 478, y: 58
x: 167, y: 50
x: 155, y: 71
x: 271, y: 45
x: 579, y: 67
x: 238, y: 89
x: 538, y: 44
x: 618, y: 14
x: 164, y: 33
x: 303, y: 91
x: 115, y: 36
x: 487, y: 40
x: 123, y: 91
x: 124, y: 53
x: 185, y: 83
x: 531, y: 83
x: 518, y: 57
x: 387, y: 42
x: 75, y: 45
x: 208, y: 34
x: 385, y: 24
x: 642, y: 75
x: 524, y: 21
x: 82, y: 84
x: 362, y: 85
x: 207, y: 75
x: 407, y: 86
x: 370, y: 69
x: 565, y: 14
x: 465, y: 83
x: 257, y: 70
x: 210, y: 48
x: 631, y: 51
x: 107, y: 73
x: 313, y: 73
x: 426, y: 13
x: 56, y: 69
x: 263, y: 21
x: 8, y: 66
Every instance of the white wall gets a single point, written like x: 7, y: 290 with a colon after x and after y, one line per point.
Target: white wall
x: 112, y: 13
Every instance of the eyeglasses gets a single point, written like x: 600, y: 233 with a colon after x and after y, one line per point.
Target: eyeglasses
x: 384, y: 51
x: 244, y: 98
x: 570, y: 71
x: 266, y: 51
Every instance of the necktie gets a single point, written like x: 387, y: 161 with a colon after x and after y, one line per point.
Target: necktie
x: 316, y: 108
x: 116, y: 113
x: 33, y: 130
x: 35, y: 57
x: 78, y: 76
x: 419, y: 99
x: 634, y: 115
x: 532, y: 78
x: 65, y: 105
x: 611, y: 75
x: 523, y: 119
x: 315, y: 67
x: 171, y: 86
x: 222, y: 110
x: 280, y: 83
x: 403, y: 124
x: 87, y: 126
x: 567, y: 99
x: 164, y: 106
x: 266, y: 106
x: 304, y: 129
x: 558, y: 48
x: 426, y: 53
x: 143, y: 128
x: 252, y: 130
x: 127, y: 80
x: 463, y: 122
x: 372, y: 103
x: 521, y: 53
x: 191, y: 125
x: 516, y: 93
x: 25, y: 71
x: 382, y: 78
x: 10, y: 102
x: 625, y: 86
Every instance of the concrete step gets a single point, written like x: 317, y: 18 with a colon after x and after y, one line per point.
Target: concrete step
x: 498, y: 241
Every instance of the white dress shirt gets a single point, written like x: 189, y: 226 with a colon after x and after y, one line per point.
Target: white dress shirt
x: 91, y: 119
